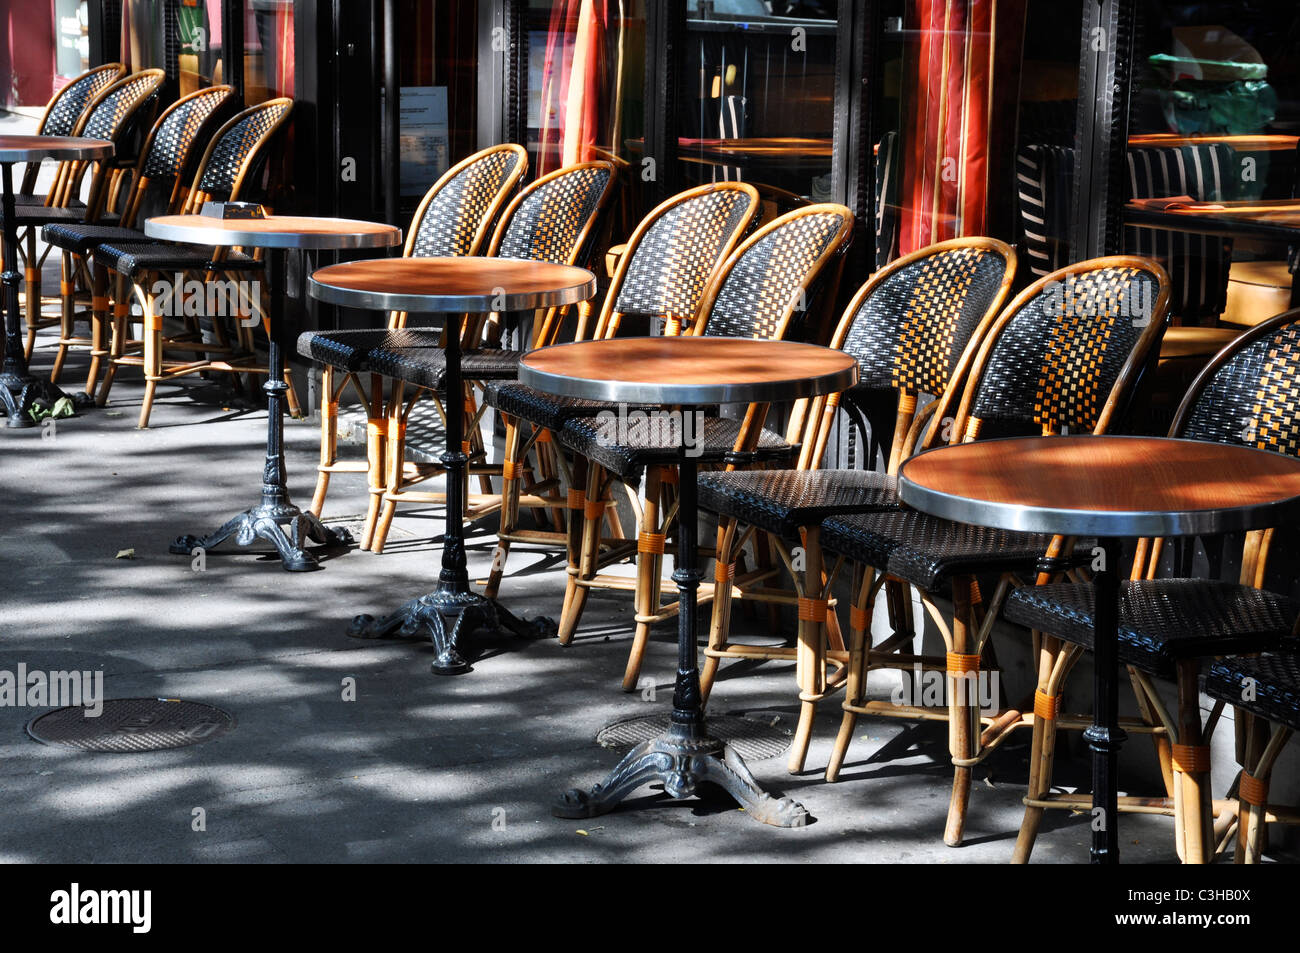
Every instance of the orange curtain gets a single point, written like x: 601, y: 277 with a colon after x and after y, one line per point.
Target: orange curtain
x: 572, y: 82
x: 961, y: 72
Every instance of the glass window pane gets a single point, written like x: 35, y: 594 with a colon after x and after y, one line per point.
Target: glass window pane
x: 268, y: 50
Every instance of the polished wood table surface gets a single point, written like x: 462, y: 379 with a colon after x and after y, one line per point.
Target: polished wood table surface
x: 19, y: 387
x: 451, y: 286
x: 687, y: 370
x: 277, y: 234
x: 1112, y: 488
x: 680, y: 372
x: 273, y: 231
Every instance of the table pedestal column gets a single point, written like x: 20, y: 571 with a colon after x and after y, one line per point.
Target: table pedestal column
x: 276, y: 511
x: 18, y: 385
x: 685, y: 756
x: 1104, y: 736
x: 452, y: 609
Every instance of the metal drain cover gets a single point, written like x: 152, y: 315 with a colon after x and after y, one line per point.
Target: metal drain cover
x: 132, y: 724
x: 753, y: 740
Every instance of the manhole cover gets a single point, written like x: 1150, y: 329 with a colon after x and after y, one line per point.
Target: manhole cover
x: 132, y: 724
x: 754, y: 740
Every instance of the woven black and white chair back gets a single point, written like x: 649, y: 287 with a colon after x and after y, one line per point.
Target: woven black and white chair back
x: 552, y: 219
x: 455, y: 216
x: 770, y: 279
x: 67, y: 108
x: 172, y: 141
x: 236, y: 151
x: 1064, y: 355
x: 671, y: 256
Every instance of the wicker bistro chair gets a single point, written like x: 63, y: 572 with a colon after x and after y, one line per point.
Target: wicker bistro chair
x: 662, y: 276
x: 1063, y: 356
x: 550, y: 221
x: 454, y: 218
x: 64, y: 111
x: 764, y: 285
x: 113, y: 115
x: 159, y: 185
x: 1167, y: 626
x: 913, y: 327
x: 228, y: 164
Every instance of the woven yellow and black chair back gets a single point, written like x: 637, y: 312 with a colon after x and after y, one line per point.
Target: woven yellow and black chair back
x: 111, y: 116
x: 236, y: 152
x: 67, y: 107
x: 1249, y: 393
x: 552, y: 219
x: 770, y: 279
x: 673, y: 253
x: 915, y: 325
x: 456, y: 215
x: 1064, y: 355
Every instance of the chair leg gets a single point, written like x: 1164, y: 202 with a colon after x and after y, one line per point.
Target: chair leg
x: 1193, y: 807
x: 394, y: 455
x: 961, y: 733
x: 1257, y: 762
x: 856, y: 679
x: 153, y: 323
x: 592, y: 519
x: 99, y: 318
x: 377, y: 453
x: 33, y: 292
x: 329, y: 427
x: 67, y: 313
x: 810, y: 656
x: 720, y: 616
x: 649, y: 565
x: 1043, y: 747
x: 577, y: 502
x: 508, y: 520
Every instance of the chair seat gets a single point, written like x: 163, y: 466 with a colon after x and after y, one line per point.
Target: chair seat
x: 134, y: 259
x: 27, y: 199
x: 25, y: 215
x: 427, y: 366
x: 550, y: 411
x: 81, y: 237
x: 1274, y: 682
x: 1162, y: 621
x: 653, y: 440
x: 782, y: 501
x: 348, y: 350
x: 927, y: 551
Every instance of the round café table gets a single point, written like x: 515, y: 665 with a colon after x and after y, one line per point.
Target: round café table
x: 1111, y: 488
x: 686, y: 372
x: 18, y: 385
x: 451, y: 286
x: 277, y: 234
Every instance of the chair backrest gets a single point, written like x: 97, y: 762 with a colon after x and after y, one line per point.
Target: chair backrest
x: 67, y: 107
x: 673, y: 252
x: 1066, y: 353
x: 914, y: 328
x: 108, y: 117
x: 1248, y: 395
x: 234, y: 151
x: 769, y: 280
x: 170, y: 146
x: 551, y: 219
x: 456, y: 215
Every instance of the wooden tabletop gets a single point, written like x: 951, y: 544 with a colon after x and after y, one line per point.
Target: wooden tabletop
x: 1271, y: 219
x: 1105, y: 486
x: 468, y: 284
x: 688, y: 370
x: 35, y: 148
x: 273, y: 231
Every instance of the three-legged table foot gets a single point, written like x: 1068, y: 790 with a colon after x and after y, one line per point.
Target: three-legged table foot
x: 682, y: 759
x: 443, y: 617
x: 18, y: 395
x: 268, y: 522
